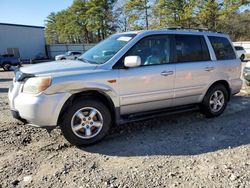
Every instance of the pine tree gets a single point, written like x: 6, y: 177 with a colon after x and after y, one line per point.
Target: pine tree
x: 175, y: 13
x: 51, y: 33
x: 138, y: 13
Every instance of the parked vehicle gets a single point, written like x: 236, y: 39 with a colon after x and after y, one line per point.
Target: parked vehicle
x: 70, y: 55
x: 246, y: 73
x: 7, y: 61
x: 128, y: 77
x: 241, y: 52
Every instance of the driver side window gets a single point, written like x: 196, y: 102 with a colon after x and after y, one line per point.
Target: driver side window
x: 152, y: 50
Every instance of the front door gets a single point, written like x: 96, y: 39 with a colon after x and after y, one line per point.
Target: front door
x: 151, y: 85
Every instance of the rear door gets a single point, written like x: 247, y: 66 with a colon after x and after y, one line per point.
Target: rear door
x: 194, y: 68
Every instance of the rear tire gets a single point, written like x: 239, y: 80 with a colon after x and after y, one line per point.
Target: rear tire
x: 242, y: 57
x: 6, y: 66
x: 86, y: 122
x: 215, y: 101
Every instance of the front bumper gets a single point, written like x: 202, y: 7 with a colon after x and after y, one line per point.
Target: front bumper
x: 38, y: 110
x: 17, y: 116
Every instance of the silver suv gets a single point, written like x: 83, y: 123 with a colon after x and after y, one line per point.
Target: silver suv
x: 128, y: 77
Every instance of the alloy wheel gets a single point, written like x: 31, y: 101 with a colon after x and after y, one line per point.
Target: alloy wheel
x: 87, y: 122
x: 217, y: 101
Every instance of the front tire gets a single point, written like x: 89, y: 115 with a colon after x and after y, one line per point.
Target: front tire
x: 86, y: 122
x: 215, y: 101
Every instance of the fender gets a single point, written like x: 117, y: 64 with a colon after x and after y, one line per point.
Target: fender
x: 210, y: 84
x: 79, y: 86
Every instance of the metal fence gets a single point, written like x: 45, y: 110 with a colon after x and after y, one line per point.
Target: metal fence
x: 56, y: 49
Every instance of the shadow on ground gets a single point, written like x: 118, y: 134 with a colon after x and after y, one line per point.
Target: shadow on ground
x: 5, y: 79
x: 182, y: 134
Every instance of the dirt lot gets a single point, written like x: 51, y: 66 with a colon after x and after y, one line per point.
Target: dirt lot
x: 185, y: 150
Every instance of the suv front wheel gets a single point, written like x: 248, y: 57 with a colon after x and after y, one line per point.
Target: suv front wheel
x: 215, y: 101
x: 86, y: 122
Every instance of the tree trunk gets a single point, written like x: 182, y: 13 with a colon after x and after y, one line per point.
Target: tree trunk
x: 146, y: 13
x: 99, y: 34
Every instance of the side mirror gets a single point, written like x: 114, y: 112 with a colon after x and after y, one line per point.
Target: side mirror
x: 132, y: 61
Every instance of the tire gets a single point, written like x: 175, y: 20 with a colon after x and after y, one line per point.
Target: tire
x: 6, y: 66
x: 247, y: 83
x: 242, y: 57
x: 63, y: 58
x: 210, y: 101
x: 80, y: 113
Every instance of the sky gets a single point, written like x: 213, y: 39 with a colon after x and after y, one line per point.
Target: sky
x: 30, y: 12
x: 34, y: 12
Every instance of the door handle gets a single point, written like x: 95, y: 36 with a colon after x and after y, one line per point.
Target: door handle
x: 167, y: 73
x: 209, y: 69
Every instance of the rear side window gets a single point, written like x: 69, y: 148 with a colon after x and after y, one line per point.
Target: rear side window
x: 76, y: 53
x: 191, y: 48
x: 222, y: 48
x: 238, y: 48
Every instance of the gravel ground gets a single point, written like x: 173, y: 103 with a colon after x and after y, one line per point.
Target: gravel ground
x: 184, y: 150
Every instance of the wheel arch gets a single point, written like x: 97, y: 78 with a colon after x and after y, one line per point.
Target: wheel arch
x: 96, y: 94
x: 224, y: 83
x: 6, y: 62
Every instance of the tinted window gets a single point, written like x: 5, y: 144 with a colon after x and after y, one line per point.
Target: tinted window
x: 191, y: 48
x: 238, y: 48
x: 152, y: 50
x: 76, y: 53
x: 222, y: 48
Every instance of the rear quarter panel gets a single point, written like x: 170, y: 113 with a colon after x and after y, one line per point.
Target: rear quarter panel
x: 228, y: 70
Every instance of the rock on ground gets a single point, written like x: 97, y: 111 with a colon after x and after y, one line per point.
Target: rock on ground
x: 184, y: 150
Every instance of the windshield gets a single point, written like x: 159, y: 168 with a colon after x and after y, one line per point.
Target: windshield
x: 68, y: 53
x: 106, y: 49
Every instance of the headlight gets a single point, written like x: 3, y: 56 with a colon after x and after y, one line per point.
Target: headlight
x: 36, y: 84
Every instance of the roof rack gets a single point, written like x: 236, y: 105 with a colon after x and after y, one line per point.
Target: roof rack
x: 193, y: 29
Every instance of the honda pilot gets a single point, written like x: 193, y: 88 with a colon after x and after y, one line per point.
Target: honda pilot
x: 128, y: 77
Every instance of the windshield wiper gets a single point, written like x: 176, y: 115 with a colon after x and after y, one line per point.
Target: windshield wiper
x: 85, y: 60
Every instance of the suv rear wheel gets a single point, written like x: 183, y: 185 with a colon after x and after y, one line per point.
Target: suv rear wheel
x: 86, y: 122
x: 6, y: 66
x: 215, y: 101
x: 242, y: 57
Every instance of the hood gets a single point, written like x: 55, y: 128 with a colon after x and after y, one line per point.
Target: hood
x: 58, y: 67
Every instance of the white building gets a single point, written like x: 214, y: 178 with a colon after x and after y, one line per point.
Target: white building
x: 24, y: 41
